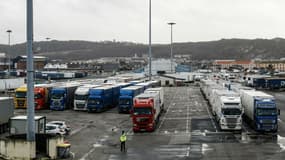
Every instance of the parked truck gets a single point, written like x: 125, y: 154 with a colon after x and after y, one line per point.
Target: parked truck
x: 227, y: 108
x: 100, y: 99
x: 81, y: 97
x: 41, y: 93
x: 6, y: 112
x: 146, y: 112
x: 161, y: 95
x: 260, y: 110
x: 126, y: 98
x: 62, y: 96
x: 275, y: 83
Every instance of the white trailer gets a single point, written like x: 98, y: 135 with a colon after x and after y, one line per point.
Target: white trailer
x: 12, y: 83
x: 6, y: 112
x: 227, y: 108
x: 81, y: 97
x: 161, y: 95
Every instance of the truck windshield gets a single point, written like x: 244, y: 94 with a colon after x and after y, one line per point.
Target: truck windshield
x: 38, y: 96
x: 94, y: 101
x: 231, y: 111
x: 266, y: 112
x: 142, y: 111
x: 20, y: 95
x: 81, y: 97
x: 124, y: 101
x: 56, y: 96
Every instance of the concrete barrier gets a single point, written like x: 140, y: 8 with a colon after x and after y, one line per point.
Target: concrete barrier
x: 17, y: 149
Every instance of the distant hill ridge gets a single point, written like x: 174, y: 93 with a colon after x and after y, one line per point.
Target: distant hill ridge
x: 221, y: 49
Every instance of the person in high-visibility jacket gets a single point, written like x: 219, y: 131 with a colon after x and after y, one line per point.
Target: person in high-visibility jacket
x: 123, y: 139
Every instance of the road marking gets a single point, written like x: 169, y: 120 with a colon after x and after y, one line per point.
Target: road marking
x: 187, y: 120
x: 167, y: 111
x: 77, y: 130
x: 188, y: 152
x: 87, y: 154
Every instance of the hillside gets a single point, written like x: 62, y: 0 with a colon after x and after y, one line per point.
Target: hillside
x: 222, y: 49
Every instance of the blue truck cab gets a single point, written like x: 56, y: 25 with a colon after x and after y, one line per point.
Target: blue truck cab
x: 100, y: 98
x: 62, y: 96
x: 266, y: 115
x: 126, y: 98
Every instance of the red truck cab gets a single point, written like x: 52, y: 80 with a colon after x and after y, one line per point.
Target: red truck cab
x: 146, y: 111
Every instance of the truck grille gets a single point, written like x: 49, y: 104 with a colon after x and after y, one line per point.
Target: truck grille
x: 268, y: 121
x: 56, y: 103
x: 231, y: 120
x: 21, y: 103
x: 142, y: 120
x: 79, y: 105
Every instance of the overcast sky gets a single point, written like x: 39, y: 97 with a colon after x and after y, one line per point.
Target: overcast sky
x: 127, y: 20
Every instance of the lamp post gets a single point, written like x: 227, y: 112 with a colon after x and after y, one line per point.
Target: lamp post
x: 47, y: 43
x: 149, y: 46
x: 9, y: 44
x: 30, y: 74
x: 171, y: 45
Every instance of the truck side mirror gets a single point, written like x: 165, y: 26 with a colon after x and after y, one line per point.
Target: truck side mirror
x: 279, y: 112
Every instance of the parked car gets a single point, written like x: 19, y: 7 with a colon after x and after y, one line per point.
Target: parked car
x: 54, y: 129
x: 62, y: 125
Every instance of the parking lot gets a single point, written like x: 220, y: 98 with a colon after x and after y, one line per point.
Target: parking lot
x: 186, y: 130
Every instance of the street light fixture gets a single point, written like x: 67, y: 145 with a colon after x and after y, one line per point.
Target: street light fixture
x: 171, y: 45
x: 9, y: 44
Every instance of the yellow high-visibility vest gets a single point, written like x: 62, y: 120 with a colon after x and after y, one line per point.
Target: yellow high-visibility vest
x: 123, y: 138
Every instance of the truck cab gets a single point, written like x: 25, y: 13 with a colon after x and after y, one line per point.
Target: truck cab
x: 230, y: 117
x: 266, y: 115
x: 81, y: 97
x: 146, y: 111
x: 100, y: 98
x: 58, y: 97
x: 126, y: 98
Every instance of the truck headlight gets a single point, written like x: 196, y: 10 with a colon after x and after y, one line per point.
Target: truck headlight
x: 274, y: 121
x: 261, y: 121
x: 223, y: 120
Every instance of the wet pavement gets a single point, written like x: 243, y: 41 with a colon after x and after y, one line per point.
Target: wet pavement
x: 186, y: 131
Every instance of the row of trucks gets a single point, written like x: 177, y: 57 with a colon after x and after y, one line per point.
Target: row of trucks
x: 75, y: 95
x: 265, y: 82
x: 230, y: 104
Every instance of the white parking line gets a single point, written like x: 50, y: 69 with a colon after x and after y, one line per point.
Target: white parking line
x: 187, y: 120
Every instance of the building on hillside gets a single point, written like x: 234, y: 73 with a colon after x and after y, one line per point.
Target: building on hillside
x: 277, y: 64
x: 21, y: 61
x: 227, y: 64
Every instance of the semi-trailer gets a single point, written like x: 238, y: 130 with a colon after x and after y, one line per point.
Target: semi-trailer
x: 260, y: 110
x: 227, y: 109
x: 161, y: 95
x: 81, y: 97
x: 275, y: 83
x: 6, y: 112
x: 62, y: 96
x: 126, y: 98
x: 146, y: 112
x: 100, y: 99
